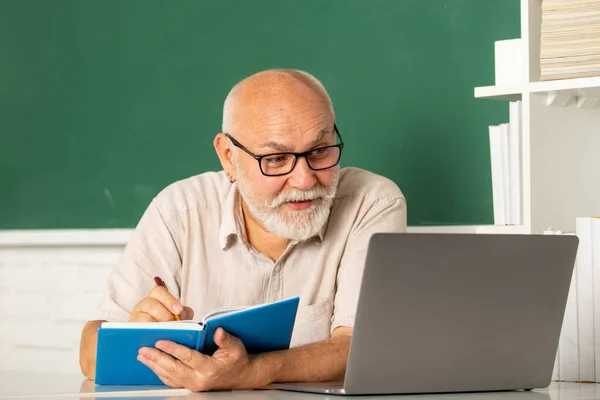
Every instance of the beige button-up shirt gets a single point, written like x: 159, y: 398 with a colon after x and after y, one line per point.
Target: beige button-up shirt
x: 192, y: 235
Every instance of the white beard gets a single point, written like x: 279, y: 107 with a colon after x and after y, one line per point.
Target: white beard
x: 285, y: 223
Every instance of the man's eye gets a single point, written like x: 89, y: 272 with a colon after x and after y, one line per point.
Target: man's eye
x: 319, y: 152
x: 276, y: 159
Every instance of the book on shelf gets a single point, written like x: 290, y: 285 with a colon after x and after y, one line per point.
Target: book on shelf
x: 570, y: 39
x: 508, y: 62
x: 505, y: 157
x: 578, y: 355
x: 515, y: 163
x: 497, y: 132
x: 261, y: 328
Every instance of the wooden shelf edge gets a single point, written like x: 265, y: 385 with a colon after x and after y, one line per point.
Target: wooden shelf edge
x: 483, y: 229
x: 65, y: 237
x: 564, y: 84
x: 509, y: 93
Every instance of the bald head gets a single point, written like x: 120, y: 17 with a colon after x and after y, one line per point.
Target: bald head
x: 272, y: 94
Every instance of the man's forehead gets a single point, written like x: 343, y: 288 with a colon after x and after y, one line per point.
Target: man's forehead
x: 291, y: 143
x: 283, y: 125
x: 307, y: 122
x: 299, y: 109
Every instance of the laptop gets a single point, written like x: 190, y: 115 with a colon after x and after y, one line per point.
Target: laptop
x: 442, y: 313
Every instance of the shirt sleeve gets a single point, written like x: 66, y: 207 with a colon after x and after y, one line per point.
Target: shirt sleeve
x: 384, y: 215
x: 152, y: 251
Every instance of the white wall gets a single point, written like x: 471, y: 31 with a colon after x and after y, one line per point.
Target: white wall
x: 47, y: 292
x: 49, y: 283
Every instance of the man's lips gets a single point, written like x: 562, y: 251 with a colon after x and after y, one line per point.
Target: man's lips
x: 299, y: 205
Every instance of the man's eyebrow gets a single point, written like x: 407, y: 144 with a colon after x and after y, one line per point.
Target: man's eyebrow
x: 283, y: 148
x: 321, y: 134
x: 277, y: 146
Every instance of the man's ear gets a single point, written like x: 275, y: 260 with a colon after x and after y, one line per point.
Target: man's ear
x: 224, y: 150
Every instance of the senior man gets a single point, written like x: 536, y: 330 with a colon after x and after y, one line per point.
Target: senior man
x: 281, y: 220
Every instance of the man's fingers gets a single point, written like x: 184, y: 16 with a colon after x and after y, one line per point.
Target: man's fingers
x: 164, y: 366
x: 187, y: 356
x: 225, y: 340
x: 141, y: 317
x: 154, y: 308
x: 166, y: 299
x: 187, y: 313
x: 161, y: 306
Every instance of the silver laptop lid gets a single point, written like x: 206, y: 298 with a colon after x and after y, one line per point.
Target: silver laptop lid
x: 459, y: 312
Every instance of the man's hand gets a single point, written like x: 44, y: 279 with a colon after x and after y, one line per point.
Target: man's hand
x: 230, y: 367
x: 159, y: 306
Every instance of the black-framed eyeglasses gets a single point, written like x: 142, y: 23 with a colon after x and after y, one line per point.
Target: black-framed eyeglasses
x: 277, y: 164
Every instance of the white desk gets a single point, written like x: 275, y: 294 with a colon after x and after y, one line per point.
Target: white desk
x: 56, y: 386
x: 17, y: 385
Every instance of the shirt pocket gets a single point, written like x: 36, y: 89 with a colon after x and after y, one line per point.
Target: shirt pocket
x: 313, y: 322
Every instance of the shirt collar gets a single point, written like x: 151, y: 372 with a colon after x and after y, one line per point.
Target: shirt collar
x: 232, y: 222
x: 321, y: 234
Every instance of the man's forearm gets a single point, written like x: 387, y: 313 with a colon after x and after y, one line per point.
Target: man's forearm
x: 87, y: 348
x: 321, y: 361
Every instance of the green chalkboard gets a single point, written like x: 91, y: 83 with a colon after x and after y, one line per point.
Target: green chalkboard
x: 104, y: 103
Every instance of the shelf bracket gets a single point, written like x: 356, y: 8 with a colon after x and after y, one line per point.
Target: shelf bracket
x: 559, y: 99
x: 588, y: 102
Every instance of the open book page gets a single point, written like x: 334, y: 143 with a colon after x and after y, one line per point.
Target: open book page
x: 221, y: 312
x: 182, y: 325
x: 179, y: 325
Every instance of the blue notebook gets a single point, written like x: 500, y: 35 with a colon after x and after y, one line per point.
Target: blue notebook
x: 266, y: 327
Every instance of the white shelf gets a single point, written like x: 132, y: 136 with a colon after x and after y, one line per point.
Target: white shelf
x: 509, y: 92
x: 580, y: 87
x: 586, y: 87
x: 65, y: 237
x: 491, y: 229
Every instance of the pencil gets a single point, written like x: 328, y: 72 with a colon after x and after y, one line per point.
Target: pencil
x: 160, y: 282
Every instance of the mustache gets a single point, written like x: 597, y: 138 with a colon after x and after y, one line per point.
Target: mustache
x: 302, y: 195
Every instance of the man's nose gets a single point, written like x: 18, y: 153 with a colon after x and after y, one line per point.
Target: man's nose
x: 302, y: 177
